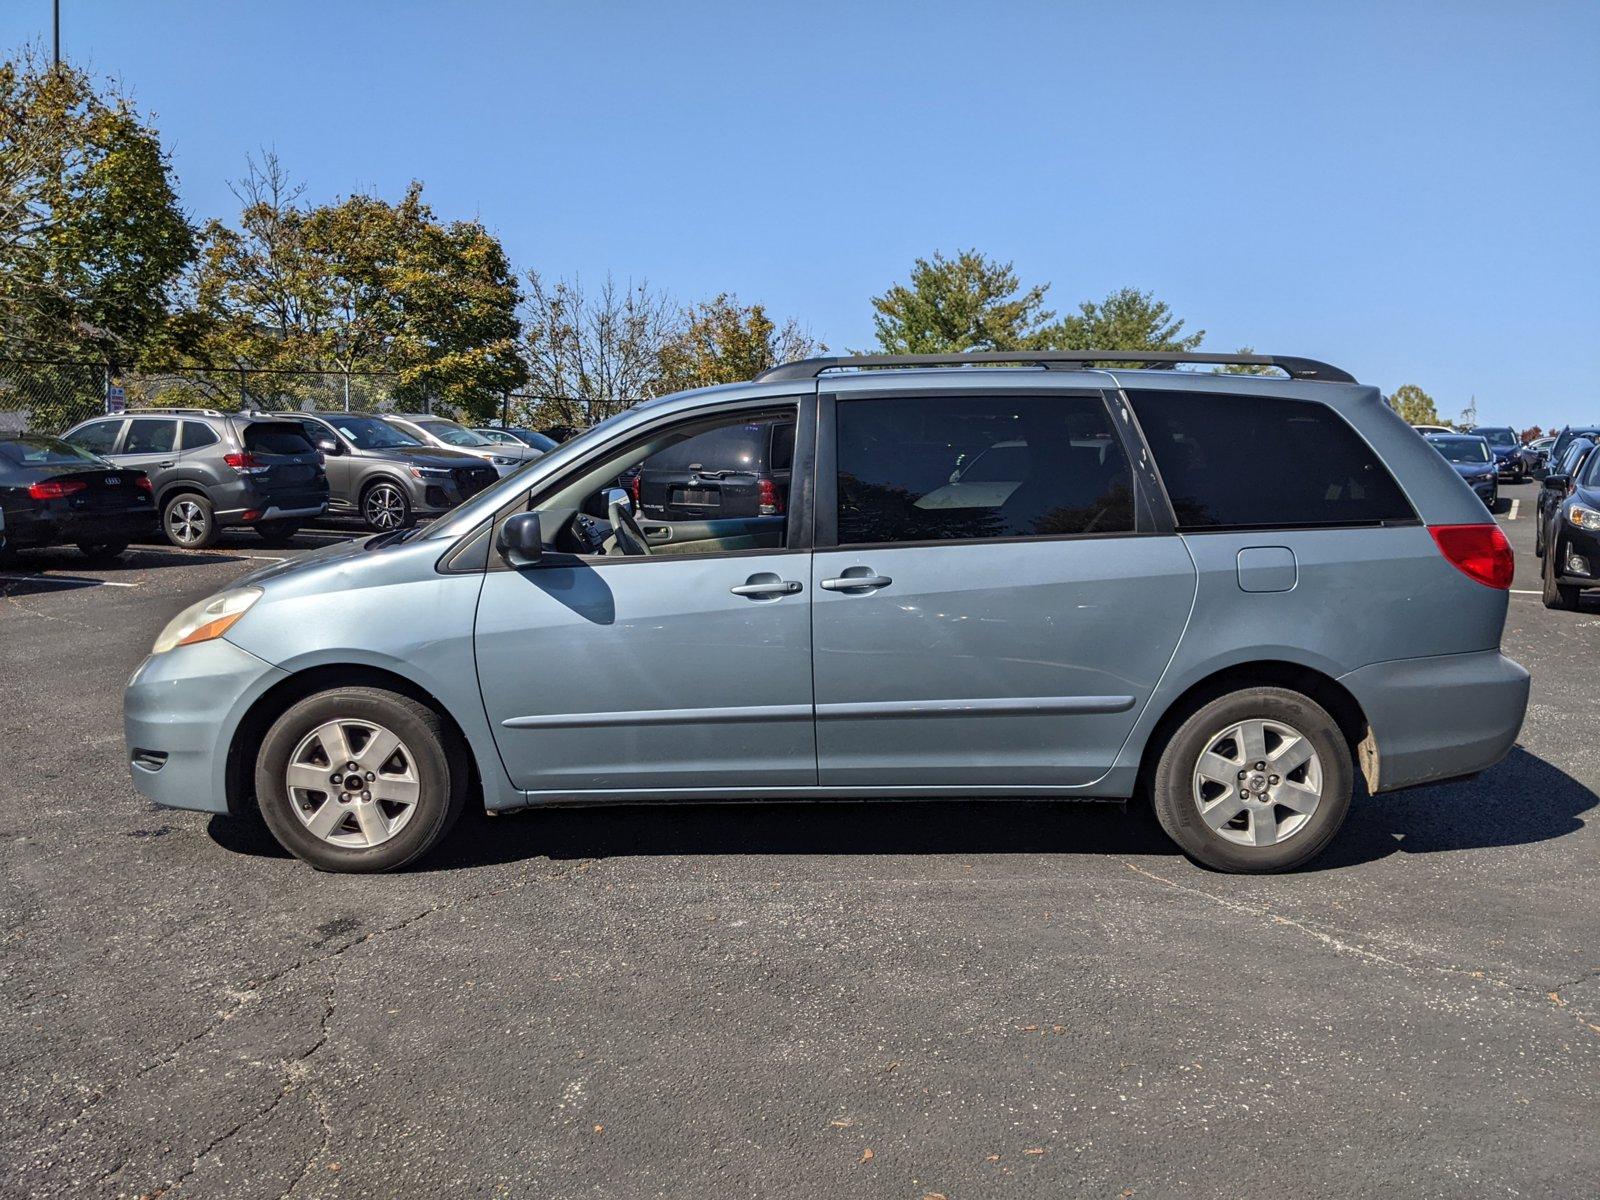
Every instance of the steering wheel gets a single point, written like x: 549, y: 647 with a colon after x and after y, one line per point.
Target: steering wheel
x: 630, y: 538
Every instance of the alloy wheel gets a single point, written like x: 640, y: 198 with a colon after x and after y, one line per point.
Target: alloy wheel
x: 186, y: 522
x: 385, y: 508
x: 352, y: 783
x: 1258, y: 782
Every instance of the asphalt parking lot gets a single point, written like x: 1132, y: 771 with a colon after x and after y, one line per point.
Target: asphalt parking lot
x: 905, y: 1000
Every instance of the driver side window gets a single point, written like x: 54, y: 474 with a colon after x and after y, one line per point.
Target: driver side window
x: 714, y: 486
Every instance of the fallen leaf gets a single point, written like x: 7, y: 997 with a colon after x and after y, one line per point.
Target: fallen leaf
x: 991, y: 1158
x: 866, y: 1156
x: 1035, y: 1150
x: 1030, y: 1029
x: 845, y: 1124
x: 599, y: 1128
x: 934, y: 1196
x: 891, y: 1066
x: 333, y: 1166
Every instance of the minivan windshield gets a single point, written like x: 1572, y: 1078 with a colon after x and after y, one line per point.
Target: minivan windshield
x: 1463, y: 450
x: 369, y: 433
x: 456, y: 435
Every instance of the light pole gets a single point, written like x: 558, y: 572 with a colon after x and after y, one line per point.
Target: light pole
x: 56, y: 40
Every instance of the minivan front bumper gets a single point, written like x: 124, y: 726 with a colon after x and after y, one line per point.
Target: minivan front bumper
x: 1439, y: 717
x: 179, y: 714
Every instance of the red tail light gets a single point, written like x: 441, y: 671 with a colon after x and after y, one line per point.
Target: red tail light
x: 1479, y: 552
x: 246, y: 463
x: 54, y: 489
x: 635, y: 486
x: 768, y: 501
x: 142, y: 482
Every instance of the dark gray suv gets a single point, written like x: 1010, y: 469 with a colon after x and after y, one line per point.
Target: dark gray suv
x: 210, y: 469
x: 385, y: 475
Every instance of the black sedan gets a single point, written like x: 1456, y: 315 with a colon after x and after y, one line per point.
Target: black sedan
x: 1570, y: 543
x: 53, y: 494
x: 1473, y: 461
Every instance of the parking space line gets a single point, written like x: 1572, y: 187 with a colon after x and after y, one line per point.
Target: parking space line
x: 73, y: 580
x: 1515, y: 505
x: 1524, y: 592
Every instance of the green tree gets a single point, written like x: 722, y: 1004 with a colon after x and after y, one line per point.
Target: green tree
x: 1414, y: 405
x: 953, y: 305
x: 723, y: 341
x: 1246, y: 368
x: 91, y: 235
x: 1127, y: 319
x: 357, y: 287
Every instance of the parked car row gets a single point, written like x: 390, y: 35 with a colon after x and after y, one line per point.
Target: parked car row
x: 1567, y: 538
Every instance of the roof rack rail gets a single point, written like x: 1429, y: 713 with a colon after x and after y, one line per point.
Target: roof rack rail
x: 190, y: 412
x: 1296, y: 368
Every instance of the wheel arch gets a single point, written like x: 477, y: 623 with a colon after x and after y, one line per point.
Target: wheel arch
x: 1327, y: 691
x: 180, y: 487
x: 239, y: 768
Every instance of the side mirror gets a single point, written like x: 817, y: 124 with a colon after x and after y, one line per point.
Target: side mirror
x: 520, y: 541
x: 1556, y: 483
x: 329, y: 445
x: 618, y: 497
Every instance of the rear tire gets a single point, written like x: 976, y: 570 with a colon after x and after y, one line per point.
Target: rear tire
x: 190, y: 522
x: 1194, y: 791
x: 1561, y: 596
x: 277, y: 533
x: 106, y: 551
x: 428, y: 763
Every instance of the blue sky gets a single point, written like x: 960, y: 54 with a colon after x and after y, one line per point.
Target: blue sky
x: 1408, y: 190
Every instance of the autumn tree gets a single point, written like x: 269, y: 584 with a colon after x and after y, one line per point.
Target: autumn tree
x: 1414, y: 405
x: 1531, y: 434
x: 952, y: 305
x: 91, y: 235
x: 724, y: 341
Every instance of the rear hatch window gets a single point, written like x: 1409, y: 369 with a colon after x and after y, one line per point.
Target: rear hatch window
x: 286, y: 461
x: 276, y: 437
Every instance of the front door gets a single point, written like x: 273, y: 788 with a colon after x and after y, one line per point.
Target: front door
x: 997, y: 604
x: 687, y: 668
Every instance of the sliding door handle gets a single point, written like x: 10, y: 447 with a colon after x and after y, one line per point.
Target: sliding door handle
x: 865, y: 582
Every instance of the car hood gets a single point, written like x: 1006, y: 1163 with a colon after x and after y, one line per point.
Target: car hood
x: 500, y: 450
x: 310, y: 558
x: 1468, y: 470
x: 427, y: 456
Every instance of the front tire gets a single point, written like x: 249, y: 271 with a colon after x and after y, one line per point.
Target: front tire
x: 1557, y: 595
x: 385, y: 507
x: 360, y: 779
x: 1254, y: 782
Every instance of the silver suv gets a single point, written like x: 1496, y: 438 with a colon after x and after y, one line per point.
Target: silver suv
x: 1228, y: 594
x: 210, y: 469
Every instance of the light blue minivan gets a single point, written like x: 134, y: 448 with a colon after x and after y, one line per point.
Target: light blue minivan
x: 1056, y: 577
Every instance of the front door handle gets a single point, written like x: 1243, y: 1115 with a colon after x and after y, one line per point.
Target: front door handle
x: 167, y: 464
x: 856, y: 579
x: 766, y: 585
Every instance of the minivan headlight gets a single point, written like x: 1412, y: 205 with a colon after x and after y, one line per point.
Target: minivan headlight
x: 1584, y: 517
x: 211, y: 618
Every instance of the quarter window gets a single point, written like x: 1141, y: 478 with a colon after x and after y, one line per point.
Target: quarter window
x: 197, y: 434
x: 1251, y: 462
x: 966, y: 467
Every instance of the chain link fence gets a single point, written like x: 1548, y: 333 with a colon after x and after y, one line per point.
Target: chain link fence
x: 50, y: 396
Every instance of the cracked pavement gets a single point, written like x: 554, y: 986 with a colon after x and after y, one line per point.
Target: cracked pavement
x: 1001, y: 998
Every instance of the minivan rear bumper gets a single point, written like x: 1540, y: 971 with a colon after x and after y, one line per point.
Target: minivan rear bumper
x: 1438, y: 717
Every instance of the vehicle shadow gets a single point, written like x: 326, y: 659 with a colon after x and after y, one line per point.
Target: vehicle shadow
x: 1523, y: 800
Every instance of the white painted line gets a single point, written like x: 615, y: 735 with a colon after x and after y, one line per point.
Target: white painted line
x: 1523, y: 592
x: 1512, y: 515
x: 65, y: 580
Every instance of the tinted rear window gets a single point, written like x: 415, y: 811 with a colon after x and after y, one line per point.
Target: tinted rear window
x: 278, y: 437
x: 1243, y: 462
x: 731, y: 448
